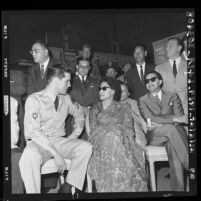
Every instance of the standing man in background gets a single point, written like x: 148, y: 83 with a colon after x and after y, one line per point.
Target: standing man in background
x: 174, y: 71
x: 87, y: 53
x: 135, y: 76
x: 37, y: 76
x: 84, y: 86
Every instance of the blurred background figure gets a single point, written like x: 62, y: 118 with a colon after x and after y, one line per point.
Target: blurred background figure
x: 17, y: 91
x: 17, y: 183
x: 87, y: 53
x: 126, y: 67
x: 140, y: 128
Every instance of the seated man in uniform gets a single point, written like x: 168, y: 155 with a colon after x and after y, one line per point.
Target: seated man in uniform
x: 166, y: 113
x: 45, y: 114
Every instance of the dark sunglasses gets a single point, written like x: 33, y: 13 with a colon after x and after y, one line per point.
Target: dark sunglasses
x: 103, y: 88
x: 153, y: 79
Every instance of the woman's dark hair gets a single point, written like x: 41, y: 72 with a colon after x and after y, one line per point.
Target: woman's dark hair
x: 115, y: 85
x: 123, y: 83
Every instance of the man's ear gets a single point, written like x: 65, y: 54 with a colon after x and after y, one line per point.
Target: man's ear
x: 76, y: 66
x: 179, y: 48
x: 46, y: 52
x: 145, y: 53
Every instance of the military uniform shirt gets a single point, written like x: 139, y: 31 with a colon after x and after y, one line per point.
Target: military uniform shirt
x: 42, y: 123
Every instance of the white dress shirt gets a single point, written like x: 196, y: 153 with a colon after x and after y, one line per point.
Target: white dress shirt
x: 139, y: 69
x: 45, y: 64
x: 178, y: 61
x: 159, y: 95
x: 80, y: 76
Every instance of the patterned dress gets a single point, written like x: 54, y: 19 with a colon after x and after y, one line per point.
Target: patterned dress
x: 117, y: 163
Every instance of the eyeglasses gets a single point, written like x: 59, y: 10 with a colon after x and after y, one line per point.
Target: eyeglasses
x: 35, y: 50
x: 84, y: 67
x: 103, y: 88
x: 153, y: 79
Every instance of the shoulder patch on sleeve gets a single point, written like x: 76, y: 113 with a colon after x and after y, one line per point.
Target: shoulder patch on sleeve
x: 35, y: 115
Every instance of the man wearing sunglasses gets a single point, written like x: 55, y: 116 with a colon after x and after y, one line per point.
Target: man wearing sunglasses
x: 37, y: 75
x: 166, y: 113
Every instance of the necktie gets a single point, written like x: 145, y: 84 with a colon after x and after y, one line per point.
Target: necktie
x: 141, y: 74
x: 42, y: 70
x: 56, y: 103
x: 158, y: 99
x: 83, y: 81
x: 174, y: 69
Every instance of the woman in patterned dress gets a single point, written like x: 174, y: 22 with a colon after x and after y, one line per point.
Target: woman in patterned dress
x: 117, y: 163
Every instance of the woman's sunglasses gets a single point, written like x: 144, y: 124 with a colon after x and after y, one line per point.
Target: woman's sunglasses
x: 153, y: 79
x: 103, y: 88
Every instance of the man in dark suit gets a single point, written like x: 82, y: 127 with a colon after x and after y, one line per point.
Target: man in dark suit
x: 165, y: 112
x: 84, y: 86
x: 37, y: 75
x: 135, y: 75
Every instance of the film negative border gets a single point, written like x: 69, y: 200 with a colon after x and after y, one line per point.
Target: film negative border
x: 190, y: 35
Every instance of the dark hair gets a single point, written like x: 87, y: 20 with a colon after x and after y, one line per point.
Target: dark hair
x: 115, y: 85
x: 140, y: 45
x: 57, y: 71
x: 86, y: 46
x: 82, y: 59
x: 44, y: 45
x: 179, y: 42
x: 158, y: 75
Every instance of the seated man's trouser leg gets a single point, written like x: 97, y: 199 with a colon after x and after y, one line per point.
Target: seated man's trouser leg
x: 17, y: 183
x: 175, y: 140
x: 34, y: 156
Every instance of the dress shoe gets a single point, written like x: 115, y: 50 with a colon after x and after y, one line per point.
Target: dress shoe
x: 65, y: 188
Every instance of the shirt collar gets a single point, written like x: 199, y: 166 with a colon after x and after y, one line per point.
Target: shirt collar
x: 143, y: 65
x: 178, y: 61
x: 80, y: 76
x: 159, y: 95
x: 50, y: 95
x: 45, y: 63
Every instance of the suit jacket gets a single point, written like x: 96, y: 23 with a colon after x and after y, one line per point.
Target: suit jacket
x: 178, y: 84
x: 161, y: 113
x: 86, y: 94
x: 137, y: 87
x: 35, y: 81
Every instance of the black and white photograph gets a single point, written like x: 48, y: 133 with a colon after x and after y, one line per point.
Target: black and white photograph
x: 99, y: 104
